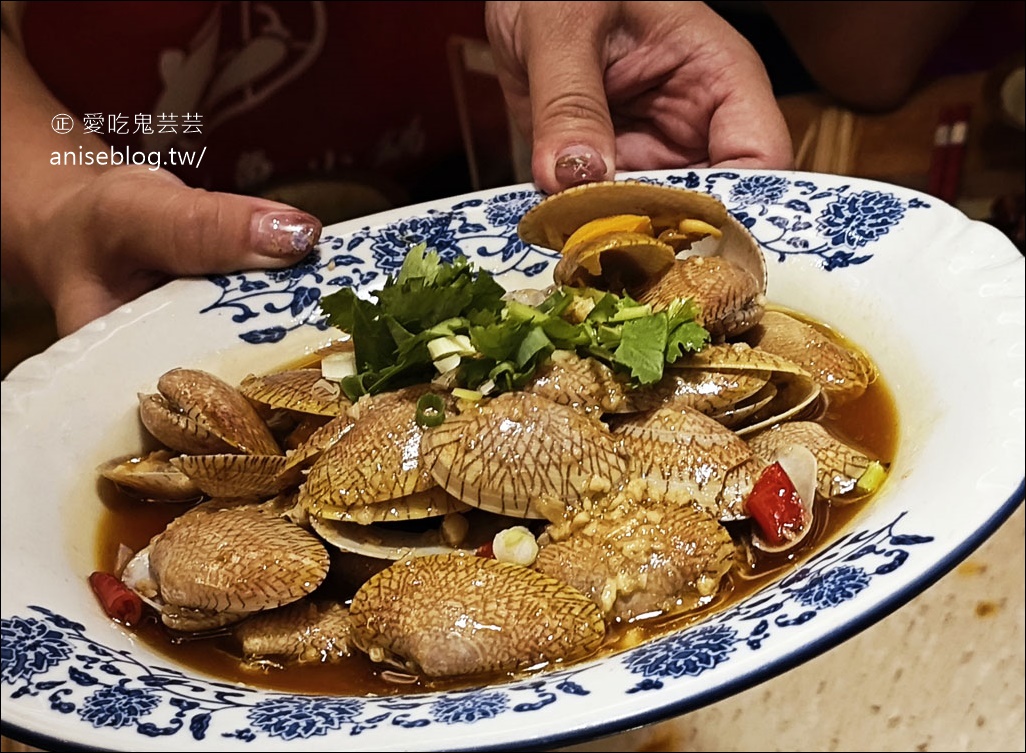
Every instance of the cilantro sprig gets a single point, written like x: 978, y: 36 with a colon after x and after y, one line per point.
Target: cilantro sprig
x: 431, y: 300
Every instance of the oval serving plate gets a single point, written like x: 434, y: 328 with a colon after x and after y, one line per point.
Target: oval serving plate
x: 936, y: 299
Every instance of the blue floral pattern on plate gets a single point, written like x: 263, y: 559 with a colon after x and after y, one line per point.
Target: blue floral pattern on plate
x: 48, y: 655
x: 787, y: 217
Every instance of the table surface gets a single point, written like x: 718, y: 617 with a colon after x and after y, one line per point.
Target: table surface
x: 944, y: 672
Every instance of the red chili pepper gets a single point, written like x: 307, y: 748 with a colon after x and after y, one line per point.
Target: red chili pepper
x: 776, y: 507
x: 119, y: 602
x: 486, y: 551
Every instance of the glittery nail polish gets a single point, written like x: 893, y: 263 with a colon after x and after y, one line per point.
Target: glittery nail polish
x: 579, y: 164
x: 285, y: 233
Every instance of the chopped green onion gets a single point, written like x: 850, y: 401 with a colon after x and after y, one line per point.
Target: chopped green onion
x: 447, y: 364
x: 338, y: 366
x: 464, y: 394
x: 441, y: 347
x: 430, y: 410
x: 872, y: 477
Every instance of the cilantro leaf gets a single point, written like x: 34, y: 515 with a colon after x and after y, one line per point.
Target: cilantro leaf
x: 429, y: 299
x: 642, y: 347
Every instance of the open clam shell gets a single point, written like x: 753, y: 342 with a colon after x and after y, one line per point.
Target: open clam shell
x: 551, y: 222
x: 151, y: 477
x: 616, y: 261
x: 466, y: 531
x: 839, y: 465
x: 788, y: 390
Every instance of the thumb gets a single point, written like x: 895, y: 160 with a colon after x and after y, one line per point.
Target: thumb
x: 573, y: 139
x: 160, y: 224
x: 141, y: 228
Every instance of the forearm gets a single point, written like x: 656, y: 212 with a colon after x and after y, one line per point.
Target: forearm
x: 32, y: 186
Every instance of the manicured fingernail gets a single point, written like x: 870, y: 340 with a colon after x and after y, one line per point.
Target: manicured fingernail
x: 285, y: 233
x: 579, y: 164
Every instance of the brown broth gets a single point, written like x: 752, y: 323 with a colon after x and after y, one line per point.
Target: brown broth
x: 869, y: 421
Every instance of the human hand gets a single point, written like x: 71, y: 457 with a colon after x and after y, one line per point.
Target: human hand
x: 604, y: 86
x: 131, y: 229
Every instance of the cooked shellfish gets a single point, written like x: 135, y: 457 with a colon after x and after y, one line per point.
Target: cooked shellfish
x: 214, y: 565
x: 456, y: 614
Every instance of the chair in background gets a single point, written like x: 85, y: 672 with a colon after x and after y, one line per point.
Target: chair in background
x: 475, y: 87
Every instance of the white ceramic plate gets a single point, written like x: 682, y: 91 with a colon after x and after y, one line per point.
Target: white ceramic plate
x: 936, y: 299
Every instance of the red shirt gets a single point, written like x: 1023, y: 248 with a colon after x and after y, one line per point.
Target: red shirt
x: 277, y: 92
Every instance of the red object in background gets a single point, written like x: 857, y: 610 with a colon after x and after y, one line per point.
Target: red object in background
x: 948, y: 155
x: 352, y: 87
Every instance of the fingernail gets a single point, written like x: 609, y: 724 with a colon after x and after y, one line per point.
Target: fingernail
x: 284, y: 233
x: 579, y: 164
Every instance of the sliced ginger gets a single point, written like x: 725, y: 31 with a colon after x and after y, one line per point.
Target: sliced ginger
x: 589, y: 231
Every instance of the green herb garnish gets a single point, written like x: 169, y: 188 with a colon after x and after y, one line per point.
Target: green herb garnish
x: 430, y: 410
x: 423, y: 319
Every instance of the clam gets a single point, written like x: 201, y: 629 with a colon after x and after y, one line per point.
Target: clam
x: 152, y: 477
x: 729, y: 300
x: 720, y: 393
x: 319, y: 440
x: 842, y: 371
x: 377, y: 460
x: 523, y: 455
x: 786, y: 389
x: 196, y: 412
x: 300, y: 390
x: 555, y: 219
x: 625, y: 236
x: 684, y: 456
x: 430, y: 503
x: 650, y: 560
x: 371, y: 473
x: 617, y: 261
x: 453, y: 615
x: 303, y: 632
x: 238, y: 475
x: 217, y: 564
x: 467, y: 531
x: 579, y: 382
x: 839, y: 464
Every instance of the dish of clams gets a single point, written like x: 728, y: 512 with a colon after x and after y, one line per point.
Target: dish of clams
x: 466, y: 483
x: 502, y: 471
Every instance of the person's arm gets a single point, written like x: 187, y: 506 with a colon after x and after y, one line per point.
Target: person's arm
x: 92, y: 237
x: 604, y: 86
x: 868, y: 55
